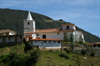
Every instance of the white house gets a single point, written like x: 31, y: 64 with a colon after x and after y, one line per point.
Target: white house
x: 7, y: 32
x: 30, y: 33
x: 8, y: 38
x: 46, y: 43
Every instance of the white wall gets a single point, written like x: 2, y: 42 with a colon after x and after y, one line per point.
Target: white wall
x: 52, y: 35
x: 19, y: 39
x: 77, y: 35
x: 51, y: 45
x: 12, y: 33
x: 30, y: 27
x: 70, y: 27
x: 7, y: 39
x: 12, y: 39
x: 34, y: 36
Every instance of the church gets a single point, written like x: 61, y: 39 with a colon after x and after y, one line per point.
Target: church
x: 48, y: 38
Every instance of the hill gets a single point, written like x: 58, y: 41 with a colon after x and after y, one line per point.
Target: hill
x: 15, y: 56
x: 13, y: 19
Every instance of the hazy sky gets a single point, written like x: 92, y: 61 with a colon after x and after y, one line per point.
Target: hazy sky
x: 83, y: 13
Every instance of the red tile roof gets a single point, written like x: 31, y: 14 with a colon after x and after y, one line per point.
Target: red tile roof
x: 46, y: 39
x: 90, y: 43
x: 50, y: 31
x: 6, y: 31
x: 28, y: 36
x: 67, y: 24
x: 97, y: 43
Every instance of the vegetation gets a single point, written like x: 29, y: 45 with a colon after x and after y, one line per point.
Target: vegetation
x: 15, y: 56
x: 13, y: 19
x: 65, y: 37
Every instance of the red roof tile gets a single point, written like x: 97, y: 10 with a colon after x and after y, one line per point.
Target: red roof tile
x: 90, y: 43
x: 6, y: 31
x: 97, y: 43
x: 28, y: 36
x: 46, y: 39
x: 67, y: 24
x: 49, y: 31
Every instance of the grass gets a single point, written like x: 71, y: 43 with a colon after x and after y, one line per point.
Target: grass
x: 55, y: 58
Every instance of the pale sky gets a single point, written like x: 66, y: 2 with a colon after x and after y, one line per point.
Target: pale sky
x: 83, y: 13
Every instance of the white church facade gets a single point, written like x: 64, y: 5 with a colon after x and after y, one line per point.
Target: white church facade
x: 30, y: 33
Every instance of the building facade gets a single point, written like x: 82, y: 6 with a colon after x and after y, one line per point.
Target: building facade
x: 9, y: 38
x: 30, y: 33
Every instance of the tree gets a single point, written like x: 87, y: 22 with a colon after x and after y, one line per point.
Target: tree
x: 65, y: 37
x: 81, y: 39
x: 72, y: 40
x: 60, y: 20
x: 0, y: 28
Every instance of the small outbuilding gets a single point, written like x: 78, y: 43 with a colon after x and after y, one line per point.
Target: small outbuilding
x: 46, y: 43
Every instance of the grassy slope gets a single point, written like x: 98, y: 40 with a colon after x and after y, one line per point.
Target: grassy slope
x: 52, y: 58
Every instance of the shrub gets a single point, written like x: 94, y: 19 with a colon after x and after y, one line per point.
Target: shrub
x: 83, y: 52
x: 92, y: 53
x: 14, y: 59
x: 64, y: 55
x: 67, y: 50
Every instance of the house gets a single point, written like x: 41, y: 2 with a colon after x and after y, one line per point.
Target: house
x: 8, y: 38
x: 46, y: 43
x: 30, y: 33
x: 7, y: 32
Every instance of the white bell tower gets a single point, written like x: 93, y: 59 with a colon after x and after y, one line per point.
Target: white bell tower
x: 29, y: 26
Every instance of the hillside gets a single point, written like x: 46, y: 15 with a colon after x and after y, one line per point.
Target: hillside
x: 15, y: 56
x: 13, y: 19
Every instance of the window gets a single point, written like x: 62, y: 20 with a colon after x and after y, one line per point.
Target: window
x: 44, y: 41
x: 35, y: 41
x: 57, y: 33
x: 37, y: 34
x: 54, y: 41
x: 58, y: 41
x: 28, y: 23
x: 67, y: 27
x: 49, y: 41
x: 44, y: 36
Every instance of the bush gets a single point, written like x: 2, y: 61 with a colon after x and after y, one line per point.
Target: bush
x: 83, y: 52
x: 64, y: 55
x: 68, y: 51
x: 14, y: 59
x: 34, y: 55
x: 92, y: 53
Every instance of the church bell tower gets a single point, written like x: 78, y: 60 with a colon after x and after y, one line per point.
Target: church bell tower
x: 29, y: 24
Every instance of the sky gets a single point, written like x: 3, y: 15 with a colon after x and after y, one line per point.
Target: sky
x: 83, y: 13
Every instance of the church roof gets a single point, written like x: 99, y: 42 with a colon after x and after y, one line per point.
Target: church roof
x: 50, y: 31
x: 68, y: 24
x: 46, y: 39
x: 29, y: 17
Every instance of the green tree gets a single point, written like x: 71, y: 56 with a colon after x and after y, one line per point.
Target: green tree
x: 72, y: 41
x: 0, y: 28
x: 81, y: 39
x: 65, y: 37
